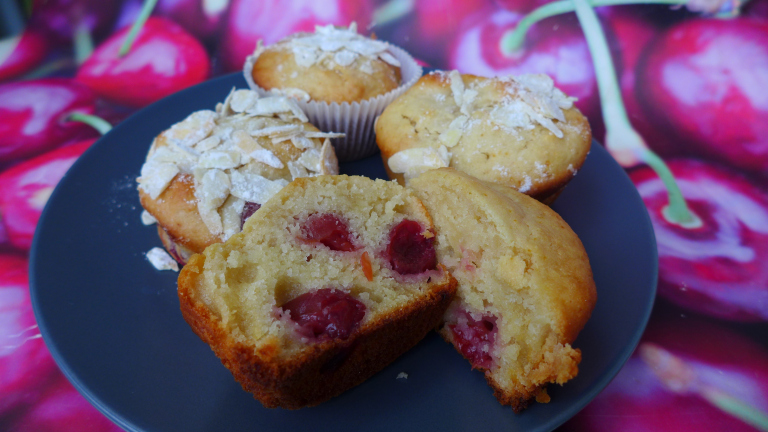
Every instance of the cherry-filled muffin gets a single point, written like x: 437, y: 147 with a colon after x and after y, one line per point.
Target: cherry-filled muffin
x: 330, y: 281
x: 525, y: 284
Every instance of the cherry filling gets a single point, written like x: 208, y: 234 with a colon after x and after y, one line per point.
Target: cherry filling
x: 329, y: 230
x: 248, y: 210
x: 475, y: 338
x: 409, y: 251
x: 326, y: 313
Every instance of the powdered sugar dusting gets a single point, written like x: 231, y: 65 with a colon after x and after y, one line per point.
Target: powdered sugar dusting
x: 221, y: 151
x: 342, y: 46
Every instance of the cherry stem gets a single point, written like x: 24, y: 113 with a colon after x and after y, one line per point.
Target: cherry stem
x: 50, y: 68
x: 621, y: 140
x: 735, y: 407
x: 679, y: 377
x: 97, y: 123
x: 391, y: 11
x: 83, y: 43
x: 513, y: 40
x: 8, y: 46
x: 146, y: 10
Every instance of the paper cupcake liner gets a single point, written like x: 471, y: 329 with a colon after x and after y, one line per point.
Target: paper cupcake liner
x: 354, y: 119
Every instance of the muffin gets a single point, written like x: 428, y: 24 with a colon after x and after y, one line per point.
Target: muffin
x: 519, y: 132
x: 525, y: 283
x: 207, y: 174
x: 330, y: 281
x: 342, y: 79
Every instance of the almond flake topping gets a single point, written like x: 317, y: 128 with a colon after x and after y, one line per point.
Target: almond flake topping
x: 342, y: 46
x: 414, y: 161
x: 160, y: 259
x: 529, y: 99
x: 227, y: 151
x: 147, y: 218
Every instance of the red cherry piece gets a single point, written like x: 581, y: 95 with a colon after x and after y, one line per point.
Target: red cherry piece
x: 329, y: 230
x: 409, y: 251
x: 248, y: 211
x: 327, y: 313
x: 475, y: 338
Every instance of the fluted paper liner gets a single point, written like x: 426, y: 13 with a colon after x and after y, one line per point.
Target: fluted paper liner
x: 354, y: 119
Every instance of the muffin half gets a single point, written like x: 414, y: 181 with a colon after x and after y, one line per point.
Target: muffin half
x: 330, y: 281
x: 525, y: 283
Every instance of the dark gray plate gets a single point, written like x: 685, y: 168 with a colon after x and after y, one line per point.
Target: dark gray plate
x: 113, y: 325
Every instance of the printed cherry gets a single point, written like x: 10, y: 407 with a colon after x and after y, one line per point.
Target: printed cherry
x: 62, y: 408
x: 64, y: 19
x: 757, y: 9
x: 33, y: 115
x: 718, y: 267
x: 327, y: 313
x: 410, y: 251
x: 271, y: 20
x: 434, y: 24
x: 702, y: 80
x: 163, y: 60
x: 20, y: 54
x: 202, y: 18
x: 555, y: 46
x: 25, y: 188
x: 26, y: 365
x: 520, y: 6
x: 687, y: 375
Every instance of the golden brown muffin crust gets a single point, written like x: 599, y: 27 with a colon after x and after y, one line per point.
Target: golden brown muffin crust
x: 327, y: 81
x: 530, y: 159
x: 230, y: 293
x: 517, y: 260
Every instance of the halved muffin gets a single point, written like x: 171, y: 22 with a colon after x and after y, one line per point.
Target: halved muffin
x: 330, y: 281
x: 525, y: 283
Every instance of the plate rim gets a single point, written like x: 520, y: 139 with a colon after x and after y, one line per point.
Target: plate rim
x: 594, y: 388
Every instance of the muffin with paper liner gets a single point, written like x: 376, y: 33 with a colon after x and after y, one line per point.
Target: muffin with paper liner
x: 341, y: 79
x: 204, y: 176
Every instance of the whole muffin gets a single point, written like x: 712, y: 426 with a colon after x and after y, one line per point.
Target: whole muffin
x: 525, y: 284
x: 519, y: 132
x: 341, y: 79
x: 329, y: 282
x: 330, y: 65
x: 207, y: 174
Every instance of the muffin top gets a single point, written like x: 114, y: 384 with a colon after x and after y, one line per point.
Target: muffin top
x: 205, y: 171
x: 521, y: 132
x: 330, y: 65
